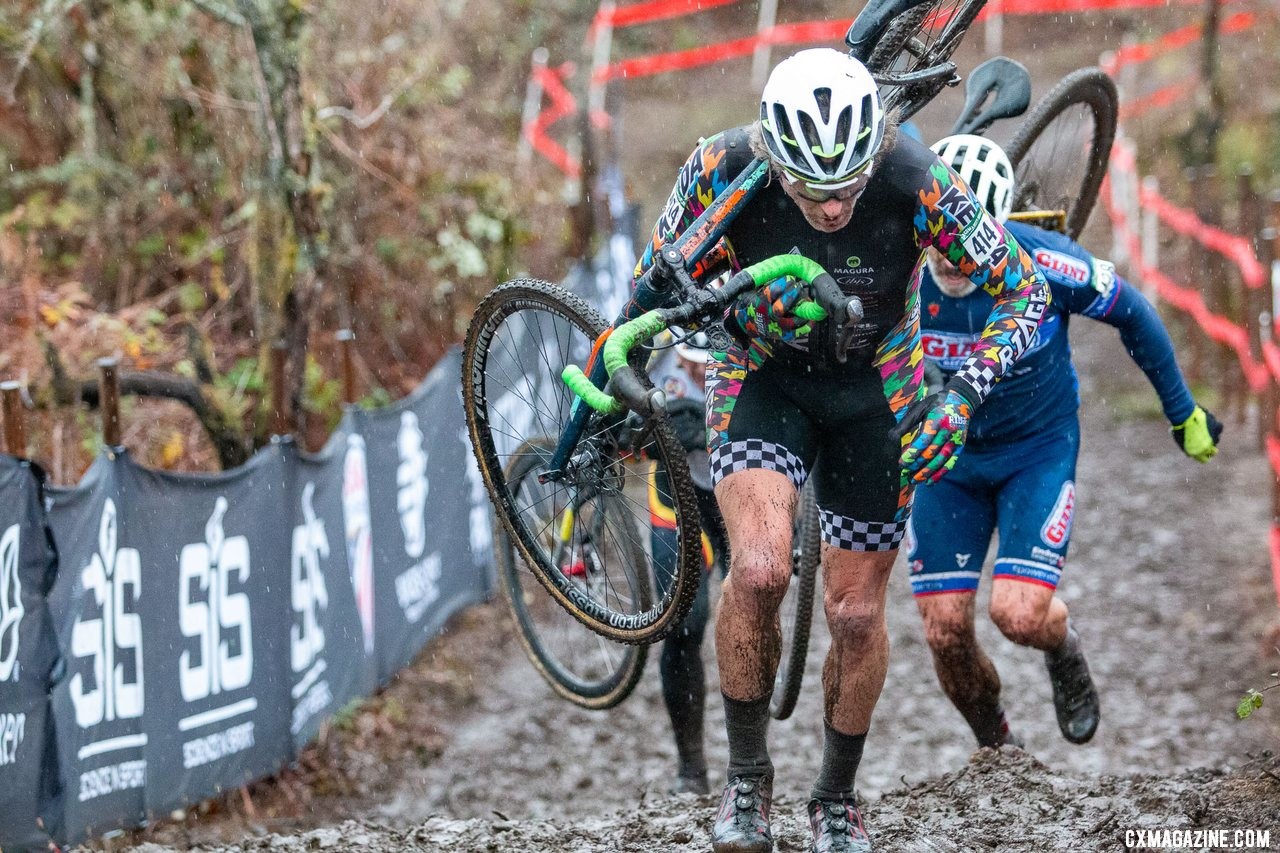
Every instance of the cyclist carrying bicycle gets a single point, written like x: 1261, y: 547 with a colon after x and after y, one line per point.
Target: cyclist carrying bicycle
x: 864, y: 202
x: 1017, y: 474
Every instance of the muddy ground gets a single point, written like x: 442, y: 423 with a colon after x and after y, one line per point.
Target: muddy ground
x: 1167, y: 581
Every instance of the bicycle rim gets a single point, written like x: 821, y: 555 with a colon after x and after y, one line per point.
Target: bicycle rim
x: 580, y: 665
x: 922, y: 37
x: 1060, y: 151
x: 796, y: 613
x: 522, y: 336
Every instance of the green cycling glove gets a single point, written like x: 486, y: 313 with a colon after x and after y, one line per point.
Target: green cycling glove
x: 1198, y: 435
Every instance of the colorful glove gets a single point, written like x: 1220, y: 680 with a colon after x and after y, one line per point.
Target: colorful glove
x: 766, y: 312
x: 937, y: 443
x: 1198, y: 435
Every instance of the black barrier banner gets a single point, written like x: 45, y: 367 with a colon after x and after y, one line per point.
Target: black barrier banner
x: 97, y: 604
x: 215, y: 563
x: 331, y: 639
x: 28, y: 653
x: 422, y: 509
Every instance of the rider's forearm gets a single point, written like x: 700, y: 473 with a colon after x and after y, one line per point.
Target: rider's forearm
x: 1021, y: 299
x: 950, y: 219
x: 1148, y: 344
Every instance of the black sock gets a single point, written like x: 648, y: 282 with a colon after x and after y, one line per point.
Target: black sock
x: 841, y: 754
x: 684, y: 692
x: 747, y: 724
x: 1070, y: 644
x: 992, y: 730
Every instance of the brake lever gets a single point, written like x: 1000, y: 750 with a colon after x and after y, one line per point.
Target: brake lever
x: 845, y: 311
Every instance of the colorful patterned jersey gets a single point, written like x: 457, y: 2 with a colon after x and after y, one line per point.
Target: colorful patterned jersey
x: 1042, y: 390
x: 912, y: 202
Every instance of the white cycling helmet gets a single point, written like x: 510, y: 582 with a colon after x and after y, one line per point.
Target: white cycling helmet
x: 982, y: 165
x: 822, y: 117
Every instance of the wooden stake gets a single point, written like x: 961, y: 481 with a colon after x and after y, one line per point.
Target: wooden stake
x: 15, y: 423
x: 346, y: 347
x: 279, y: 415
x: 109, y: 400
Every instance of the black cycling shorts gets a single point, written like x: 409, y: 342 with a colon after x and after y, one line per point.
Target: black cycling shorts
x: 791, y: 417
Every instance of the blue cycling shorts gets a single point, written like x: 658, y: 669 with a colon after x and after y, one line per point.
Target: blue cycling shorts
x: 1024, y: 490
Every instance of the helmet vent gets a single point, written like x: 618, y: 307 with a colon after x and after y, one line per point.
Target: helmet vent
x: 823, y: 97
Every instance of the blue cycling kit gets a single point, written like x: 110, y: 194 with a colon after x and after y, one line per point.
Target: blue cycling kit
x: 1018, y: 469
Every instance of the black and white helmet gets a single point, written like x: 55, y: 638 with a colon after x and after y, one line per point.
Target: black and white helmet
x: 982, y: 165
x: 821, y: 117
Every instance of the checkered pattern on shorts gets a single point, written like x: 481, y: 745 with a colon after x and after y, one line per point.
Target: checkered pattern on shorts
x: 850, y: 535
x: 756, y: 453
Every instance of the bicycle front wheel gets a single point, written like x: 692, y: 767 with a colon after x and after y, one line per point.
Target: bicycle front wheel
x: 796, y: 612
x: 921, y: 38
x: 581, y: 666
x: 1060, y: 151
x: 521, y: 337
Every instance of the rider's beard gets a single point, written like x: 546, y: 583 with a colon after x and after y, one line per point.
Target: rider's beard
x: 948, y: 277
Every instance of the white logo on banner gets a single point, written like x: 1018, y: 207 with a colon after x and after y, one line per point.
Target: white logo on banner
x: 306, y: 637
x: 214, y: 616
x: 478, y: 521
x: 310, y: 546
x: 356, y: 520
x: 112, y: 579
x: 13, y: 728
x: 11, y: 610
x: 411, y: 481
x: 418, y: 586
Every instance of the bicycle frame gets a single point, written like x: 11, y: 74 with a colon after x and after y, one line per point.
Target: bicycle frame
x: 650, y: 292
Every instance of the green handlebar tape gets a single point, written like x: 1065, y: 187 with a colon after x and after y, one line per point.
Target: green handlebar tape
x: 810, y: 310
x: 625, y: 337
x: 591, y: 395
x: 780, y: 265
x: 616, y: 349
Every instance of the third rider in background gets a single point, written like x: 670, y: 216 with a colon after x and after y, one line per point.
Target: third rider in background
x: 1018, y: 470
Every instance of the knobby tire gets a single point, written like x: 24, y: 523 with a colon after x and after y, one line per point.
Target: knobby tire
x: 484, y: 421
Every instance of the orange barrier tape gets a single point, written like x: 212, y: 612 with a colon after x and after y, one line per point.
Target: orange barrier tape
x: 1061, y: 7
x: 1133, y: 54
x: 1185, y: 222
x: 1219, y: 328
x: 1275, y: 551
x: 644, y: 13
x: 1235, y: 248
x: 1165, y: 97
x: 562, y: 104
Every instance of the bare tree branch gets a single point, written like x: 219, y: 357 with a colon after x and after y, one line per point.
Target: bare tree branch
x: 364, y: 122
x: 228, y: 436
x: 228, y: 439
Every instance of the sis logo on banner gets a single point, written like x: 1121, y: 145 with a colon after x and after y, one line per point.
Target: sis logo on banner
x: 311, y: 694
x: 11, y: 610
x: 411, y: 480
x: 211, y: 613
x: 208, y: 611
x: 418, y: 587
x: 112, y: 638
